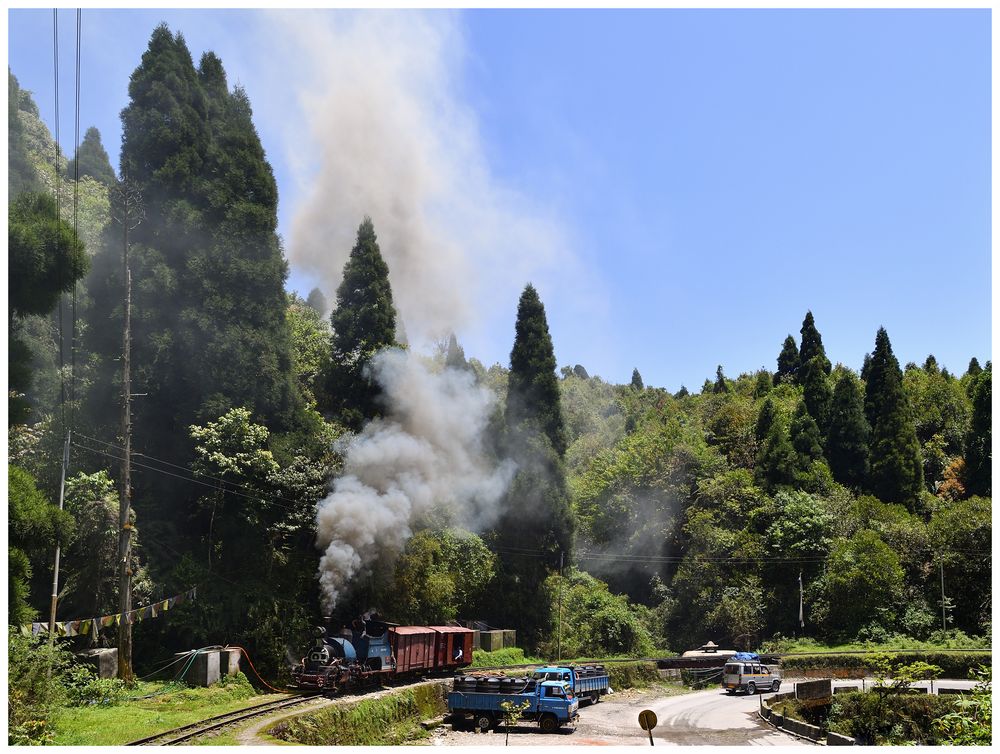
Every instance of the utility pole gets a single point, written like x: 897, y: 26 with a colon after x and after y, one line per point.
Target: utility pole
x: 944, y: 623
x: 802, y: 617
x: 559, y: 636
x: 55, y: 569
x: 130, y: 217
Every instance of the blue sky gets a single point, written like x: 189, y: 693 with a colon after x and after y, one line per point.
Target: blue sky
x: 702, y: 178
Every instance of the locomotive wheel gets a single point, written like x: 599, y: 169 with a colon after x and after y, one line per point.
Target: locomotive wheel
x: 548, y: 723
x: 484, y: 722
x: 751, y: 688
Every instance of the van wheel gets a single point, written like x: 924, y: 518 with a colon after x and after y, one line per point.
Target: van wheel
x: 484, y: 722
x: 751, y: 688
x: 548, y: 723
x: 775, y: 685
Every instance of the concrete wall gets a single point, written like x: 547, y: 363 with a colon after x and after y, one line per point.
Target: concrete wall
x: 204, y: 669
x: 229, y: 662
x: 836, y: 739
x: 103, y: 661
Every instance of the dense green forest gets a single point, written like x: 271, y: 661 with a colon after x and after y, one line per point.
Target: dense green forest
x: 676, y: 517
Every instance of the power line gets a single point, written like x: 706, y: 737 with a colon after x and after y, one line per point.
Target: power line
x: 255, y: 498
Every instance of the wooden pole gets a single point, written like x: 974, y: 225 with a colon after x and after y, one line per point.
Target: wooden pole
x: 124, y: 525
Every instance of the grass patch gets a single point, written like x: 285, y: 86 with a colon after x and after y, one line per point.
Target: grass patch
x: 103, y: 725
x: 502, y: 658
x: 386, y: 721
x: 952, y: 641
x: 632, y: 675
x: 952, y: 664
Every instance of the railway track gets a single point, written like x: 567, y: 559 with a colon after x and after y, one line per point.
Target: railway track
x: 187, y: 732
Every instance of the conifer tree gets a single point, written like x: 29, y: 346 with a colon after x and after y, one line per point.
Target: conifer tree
x: 881, y: 362
x: 816, y: 392
x: 806, y: 439
x: 316, y: 301
x: 978, y: 442
x: 720, y: 385
x: 812, y: 345
x: 778, y: 461
x: 536, y: 514
x: 682, y: 393
x: 580, y: 371
x: 788, y: 361
x: 363, y: 322
x: 533, y: 388
x: 765, y: 419
x: 762, y: 384
x: 455, y: 356
x: 637, y: 380
x: 896, y: 465
x: 974, y: 368
x: 931, y: 365
x: 93, y: 160
x: 847, y: 438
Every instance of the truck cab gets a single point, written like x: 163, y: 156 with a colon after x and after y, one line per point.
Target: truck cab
x: 551, y: 703
x: 588, y: 682
x: 750, y: 676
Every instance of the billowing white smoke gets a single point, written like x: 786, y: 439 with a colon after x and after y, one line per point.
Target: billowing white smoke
x: 426, y: 452
x: 383, y: 129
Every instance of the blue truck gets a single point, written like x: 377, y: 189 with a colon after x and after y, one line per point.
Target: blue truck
x: 478, y: 699
x: 587, y: 681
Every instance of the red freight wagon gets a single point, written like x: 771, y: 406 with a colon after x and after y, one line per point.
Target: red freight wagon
x: 413, y: 647
x: 453, y: 647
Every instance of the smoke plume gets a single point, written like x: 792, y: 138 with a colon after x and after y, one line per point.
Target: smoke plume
x: 386, y: 132
x: 425, y: 453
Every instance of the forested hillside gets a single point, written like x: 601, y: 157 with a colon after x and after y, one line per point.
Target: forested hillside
x: 676, y: 517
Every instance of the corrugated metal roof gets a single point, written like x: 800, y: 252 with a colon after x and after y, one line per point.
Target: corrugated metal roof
x: 412, y: 630
x: 450, y: 629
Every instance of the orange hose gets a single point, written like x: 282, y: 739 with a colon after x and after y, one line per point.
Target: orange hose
x: 279, y: 691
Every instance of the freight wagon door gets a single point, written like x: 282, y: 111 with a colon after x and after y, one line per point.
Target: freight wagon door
x: 414, y: 648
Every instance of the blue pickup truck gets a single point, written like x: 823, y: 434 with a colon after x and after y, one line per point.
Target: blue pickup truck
x: 550, y: 703
x: 587, y: 681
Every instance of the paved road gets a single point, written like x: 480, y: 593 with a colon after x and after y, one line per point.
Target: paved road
x: 699, y: 718
x: 710, y: 717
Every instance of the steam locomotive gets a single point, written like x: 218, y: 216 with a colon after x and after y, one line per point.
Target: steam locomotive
x: 373, y: 651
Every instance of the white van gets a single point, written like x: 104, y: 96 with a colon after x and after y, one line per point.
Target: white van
x: 750, y: 676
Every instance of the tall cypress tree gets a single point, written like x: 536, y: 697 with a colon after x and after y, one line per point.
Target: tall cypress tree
x: 455, y: 355
x: 978, y: 442
x: 720, y: 385
x: 974, y: 368
x: 778, y: 461
x: 816, y: 391
x: 363, y: 322
x: 806, y: 439
x: 788, y: 361
x: 637, y: 379
x: 896, y: 464
x: 536, y: 513
x: 533, y: 388
x: 812, y: 344
x: 881, y: 362
x: 93, y: 160
x: 765, y: 419
x: 847, y: 438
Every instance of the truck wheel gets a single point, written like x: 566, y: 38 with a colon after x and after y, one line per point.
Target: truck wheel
x: 484, y: 722
x: 548, y: 723
x: 595, y: 697
x: 775, y: 685
x: 751, y: 688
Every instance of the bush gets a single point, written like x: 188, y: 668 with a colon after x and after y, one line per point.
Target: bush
x: 386, y: 720
x: 631, y: 675
x: 83, y: 687
x: 952, y: 664
x: 877, y: 719
x: 32, y: 693
x: 502, y: 658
